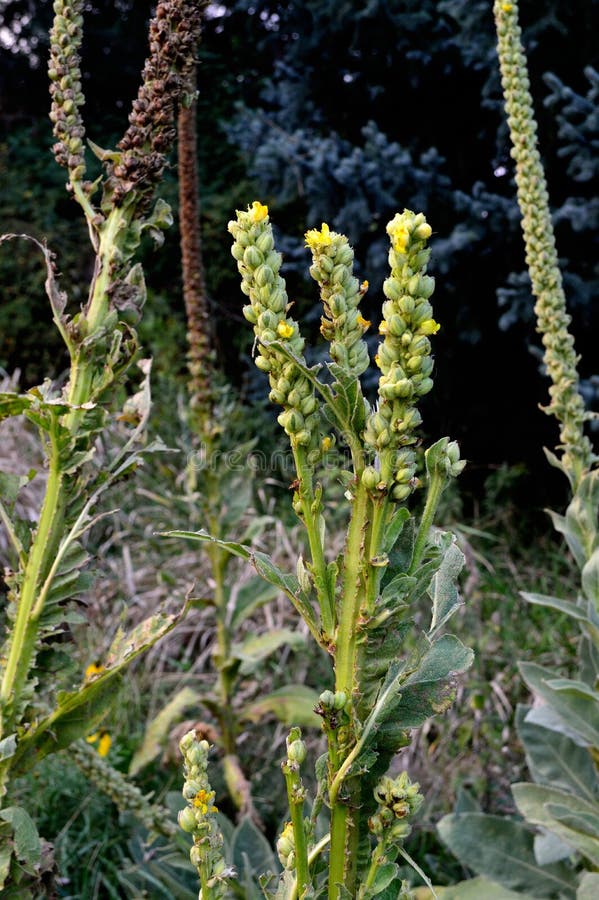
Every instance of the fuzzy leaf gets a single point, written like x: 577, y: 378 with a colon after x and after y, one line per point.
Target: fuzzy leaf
x: 574, y: 702
x: 588, y: 889
x: 549, y: 848
x: 535, y: 801
x: 590, y: 620
x: 386, y: 874
x: 590, y: 579
x: 293, y: 705
x: 157, y: 730
x: 8, y: 745
x: 556, y: 760
x: 80, y: 712
x: 256, y: 648
x: 27, y: 846
x: 348, y: 398
x: 474, y: 889
x: 443, y: 588
x: 6, y: 852
x: 250, y: 851
x: 429, y: 690
x: 502, y: 851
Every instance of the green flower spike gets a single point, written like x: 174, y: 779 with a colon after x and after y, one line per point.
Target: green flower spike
x: 259, y: 265
x: 65, y: 87
x: 404, y: 358
x: 342, y: 323
x: 553, y: 321
x: 197, y: 818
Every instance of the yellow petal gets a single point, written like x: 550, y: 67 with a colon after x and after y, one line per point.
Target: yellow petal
x: 258, y: 212
x: 284, y: 330
x: 104, y: 743
x: 94, y: 669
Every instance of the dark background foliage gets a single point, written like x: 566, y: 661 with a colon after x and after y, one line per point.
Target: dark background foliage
x: 330, y: 110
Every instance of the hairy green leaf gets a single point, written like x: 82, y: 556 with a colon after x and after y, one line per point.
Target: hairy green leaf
x: 534, y: 802
x: 574, y: 702
x: 502, y: 850
x: 555, y: 759
x: 292, y: 705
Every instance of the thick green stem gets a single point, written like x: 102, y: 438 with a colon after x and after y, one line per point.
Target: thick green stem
x: 435, y: 489
x: 295, y: 797
x: 24, y: 632
x: 353, y: 594
x: 306, y: 494
x: 344, y: 815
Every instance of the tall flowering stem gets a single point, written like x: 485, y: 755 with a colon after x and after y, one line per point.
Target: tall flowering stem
x: 362, y: 595
x: 100, y: 338
x: 541, y: 256
x: 199, y: 354
x: 198, y: 819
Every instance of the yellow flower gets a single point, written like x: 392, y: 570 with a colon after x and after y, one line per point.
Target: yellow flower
x: 364, y: 287
x: 284, y: 329
x: 103, y: 739
x: 94, y: 669
x: 400, y: 238
x: 429, y: 326
x: 258, y: 212
x: 316, y: 238
x: 377, y: 360
x: 327, y: 443
x: 104, y: 743
x: 363, y: 322
x: 383, y: 327
x: 203, y: 801
x: 507, y: 7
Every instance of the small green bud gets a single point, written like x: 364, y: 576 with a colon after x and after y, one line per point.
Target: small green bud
x: 370, y: 478
x: 423, y: 232
x: 339, y: 700
x: 265, y: 242
x: 262, y: 364
x: 250, y: 314
x: 187, y: 819
x: 391, y: 289
x: 190, y: 789
x: 400, y: 492
x: 327, y: 700
x: 407, y: 305
x: 196, y: 856
x: 252, y: 257
x: 296, y: 751
x: 264, y: 275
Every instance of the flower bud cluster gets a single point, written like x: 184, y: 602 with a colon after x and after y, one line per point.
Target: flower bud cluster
x: 398, y: 798
x: 65, y: 86
x: 553, y: 321
x: 197, y: 818
x: 167, y: 76
x: 342, y: 323
x: 286, y: 847
x: 259, y: 265
x: 404, y: 358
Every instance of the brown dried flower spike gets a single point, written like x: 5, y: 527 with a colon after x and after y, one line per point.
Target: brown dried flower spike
x: 168, y: 73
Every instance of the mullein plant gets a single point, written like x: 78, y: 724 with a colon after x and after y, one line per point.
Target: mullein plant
x: 557, y: 844
x: 220, y: 497
x: 388, y: 676
x: 49, y: 557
